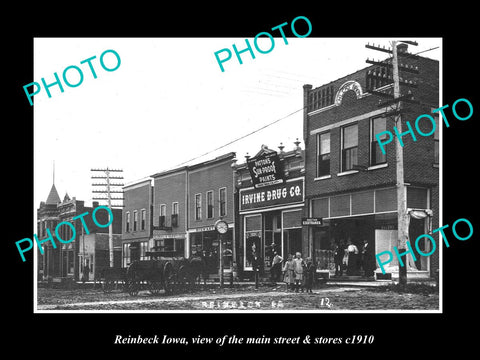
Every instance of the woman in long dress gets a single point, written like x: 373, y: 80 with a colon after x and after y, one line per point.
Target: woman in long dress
x: 289, y: 272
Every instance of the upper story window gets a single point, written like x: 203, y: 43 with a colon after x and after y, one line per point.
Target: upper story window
x: 144, y: 219
x: 127, y: 221
x: 175, y: 208
x: 377, y: 126
x: 323, y: 154
x: 223, y: 201
x: 163, y: 209
x: 135, y: 220
x: 436, y: 141
x: 161, y: 217
x: 198, y: 207
x: 210, y: 207
x: 349, y: 147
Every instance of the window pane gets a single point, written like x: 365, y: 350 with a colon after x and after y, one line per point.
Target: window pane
x: 320, y: 207
x: 324, y: 144
x: 198, y: 207
x: 349, y: 159
x: 436, y: 134
x: 378, y: 157
x: 323, y: 165
x: 350, y: 136
x: 222, y: 202
x: 379, y: 125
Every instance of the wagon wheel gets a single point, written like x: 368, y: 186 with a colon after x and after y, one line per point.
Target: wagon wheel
x: 168, y: 279
x: 155, y: 287
x: 133, y: 287
x: 183, y: 277
x: 107, y: 286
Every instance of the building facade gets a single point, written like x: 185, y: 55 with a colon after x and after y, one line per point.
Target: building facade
x: 68, y: 260
x: 210, y: 198
x: 170, y: 211
x: 137, y: 218
x: 270, y: 210
x: 187, y: 201
x: 350, y: 183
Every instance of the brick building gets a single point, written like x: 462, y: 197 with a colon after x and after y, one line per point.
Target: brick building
x: 137, y: 221
x: 170, y: 211
x: 210, y: 198
x: 67, y: 260
x: 350, y: 183
x: 270, y: 214
x: 187, y: 201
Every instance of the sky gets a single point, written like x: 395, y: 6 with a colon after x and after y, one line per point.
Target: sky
x: 168, y: 102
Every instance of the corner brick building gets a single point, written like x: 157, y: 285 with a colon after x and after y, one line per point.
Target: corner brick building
x: 351, y: 184
x: 68, y: 260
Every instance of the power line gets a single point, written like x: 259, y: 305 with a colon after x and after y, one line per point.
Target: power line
x: 242, y: 137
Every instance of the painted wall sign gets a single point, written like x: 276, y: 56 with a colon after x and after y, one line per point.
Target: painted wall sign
x: 281, y: 194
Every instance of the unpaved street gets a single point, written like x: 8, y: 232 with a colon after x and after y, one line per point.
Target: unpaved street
x: 242, y: 298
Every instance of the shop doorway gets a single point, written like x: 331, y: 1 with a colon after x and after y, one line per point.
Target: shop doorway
x: 417, y: 228
x: 292, y: 241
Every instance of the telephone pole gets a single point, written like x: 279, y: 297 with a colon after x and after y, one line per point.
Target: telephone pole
x: 107, y: 189
x: 401, y: 189
x: 397, y: 99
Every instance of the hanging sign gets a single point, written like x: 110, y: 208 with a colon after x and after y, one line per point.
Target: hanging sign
x: 265, y: 170
x: 312, y: 222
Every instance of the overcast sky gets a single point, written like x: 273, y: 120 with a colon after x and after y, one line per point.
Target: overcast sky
x: 169, y: 102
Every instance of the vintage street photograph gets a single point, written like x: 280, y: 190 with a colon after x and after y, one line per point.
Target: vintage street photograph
x: 270, y: 174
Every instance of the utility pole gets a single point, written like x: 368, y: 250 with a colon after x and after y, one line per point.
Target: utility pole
x: 397, y: 99
x: 401, y: 189
x: 108, y: 191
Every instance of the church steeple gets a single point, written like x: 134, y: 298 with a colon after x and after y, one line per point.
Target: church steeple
x: 53, y: 197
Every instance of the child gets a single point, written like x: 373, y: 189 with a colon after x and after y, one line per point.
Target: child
x: 288, y: 272
x: 309, y: 275
x: 298, y: 267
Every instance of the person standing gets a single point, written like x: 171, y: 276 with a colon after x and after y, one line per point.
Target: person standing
x: 298, y: 268
x: 352, y: 258
x: 86, y: 271
x: 338, y: 254
x: 276, y: 269
x: 368, y: 259
x: 289, y: 272
x: 309, y: 275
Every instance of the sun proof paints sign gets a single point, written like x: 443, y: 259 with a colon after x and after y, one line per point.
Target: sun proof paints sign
x: 390, y: 255
x: 226, y: 54
x: 266, y: 170
x: 57, y: 234
x: 69, y: 77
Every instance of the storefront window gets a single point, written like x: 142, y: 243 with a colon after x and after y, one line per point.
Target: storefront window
x: 70, y: 262
x: 292, y: 232
x: 322, y: 249
x: 253, y: 238
x: 126, y: 255
x: 273, y: 235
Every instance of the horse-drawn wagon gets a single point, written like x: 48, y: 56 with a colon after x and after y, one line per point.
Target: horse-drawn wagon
x: 163, y: 271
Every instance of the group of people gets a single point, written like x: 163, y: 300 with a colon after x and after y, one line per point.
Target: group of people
x: 348, y: 257
x: 298, y: 274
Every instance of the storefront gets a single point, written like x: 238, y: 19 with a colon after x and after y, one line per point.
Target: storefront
x: 205, y: 241
x: 369, y: 217
x: 170, y: 243
x: 271, y: 220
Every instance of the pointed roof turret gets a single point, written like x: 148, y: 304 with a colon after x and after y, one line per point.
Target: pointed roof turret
x: 53, y: 197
